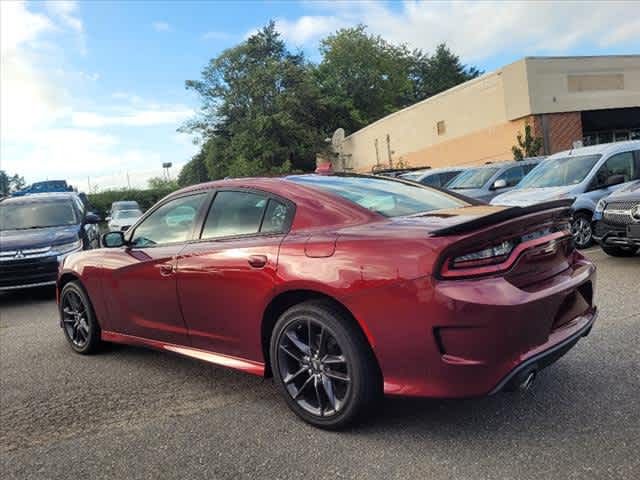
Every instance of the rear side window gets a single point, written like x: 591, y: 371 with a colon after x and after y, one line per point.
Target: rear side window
x: 431, y: 180
x: 244, y: 213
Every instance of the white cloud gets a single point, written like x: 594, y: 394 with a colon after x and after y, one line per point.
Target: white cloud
x: 161, y: 26
x: 479, y: 30
x: 136, y: 118
x: 43, y: 133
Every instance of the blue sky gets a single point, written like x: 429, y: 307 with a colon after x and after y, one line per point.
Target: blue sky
x: 96, y: 89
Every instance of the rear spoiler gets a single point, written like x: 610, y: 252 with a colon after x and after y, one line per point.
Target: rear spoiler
x: 502, y: 216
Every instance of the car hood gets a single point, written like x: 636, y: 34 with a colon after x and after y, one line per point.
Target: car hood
x: 522, y: 197
x: 38, y: 237
x: 627, y: 192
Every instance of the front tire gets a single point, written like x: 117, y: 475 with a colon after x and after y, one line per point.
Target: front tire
x: 619, y: 251
x: 78, y: 319
x: 581, y: 230
x: 323, y: 366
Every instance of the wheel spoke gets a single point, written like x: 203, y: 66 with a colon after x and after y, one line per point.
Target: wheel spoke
x: 298, y: 343
x: 304, y: 385
x: 321, y: 341
x: 291, y: 354
x: 292, y: 376
x: 333, y: 359
x: 318, y: 396
x: 337, y: 376
x: 327, y: 385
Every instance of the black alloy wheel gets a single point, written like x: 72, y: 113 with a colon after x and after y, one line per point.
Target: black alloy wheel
x: 78, y: 319
x: 323, y: 365
x: 581, y: 230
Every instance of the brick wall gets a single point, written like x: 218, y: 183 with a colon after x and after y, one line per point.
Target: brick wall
x: 562, y: 130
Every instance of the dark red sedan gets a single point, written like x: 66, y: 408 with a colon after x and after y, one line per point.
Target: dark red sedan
x: 341, y: 287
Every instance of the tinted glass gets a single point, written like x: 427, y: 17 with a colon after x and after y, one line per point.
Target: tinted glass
x: 384, y: 196
x: 431, y: 180
x: 560, y: 172
x: 446, y: 177
x: 474, y: 178
x: 276, y: 217
x: 512, y: 176
x: 172, y: 222
x: 234, y: 213
x: 620, y: 164
x: 17, y: 216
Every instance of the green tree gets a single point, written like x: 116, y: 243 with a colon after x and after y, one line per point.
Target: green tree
x: 527, y: 145
x: 195, y: 171
x: 161, y: 183
x: 11, y: 183
x: 363, y: 77
x: 261, y: 109
x: 438, y: 72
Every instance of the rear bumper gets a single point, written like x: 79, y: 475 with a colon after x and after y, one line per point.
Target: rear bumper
x: 468, y: 338
x: 541, y: 360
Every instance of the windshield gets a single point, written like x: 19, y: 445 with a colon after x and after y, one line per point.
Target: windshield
x: 127, y: 214
x: 560, y: 172
x: 132, y: 205
x: 19, y: 216
x: 384, y: 196
x: 474, y: 178
x: 412, y: 175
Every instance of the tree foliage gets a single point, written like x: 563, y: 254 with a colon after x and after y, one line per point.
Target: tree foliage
x: 10, y: 183
x: 162, y: 183
x: 259, y: 108
x: 527, y: 145
x: 267, y: 110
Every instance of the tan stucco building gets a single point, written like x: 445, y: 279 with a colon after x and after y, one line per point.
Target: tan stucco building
x: 564, y: 99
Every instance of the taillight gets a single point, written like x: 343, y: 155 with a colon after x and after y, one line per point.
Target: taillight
x: 487, y: 256
x: 488, y: 259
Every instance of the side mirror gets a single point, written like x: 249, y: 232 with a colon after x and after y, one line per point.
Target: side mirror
x: 113, y: 240
x: 498, y: 184
x: 614, y: 180
x: 92, y: 218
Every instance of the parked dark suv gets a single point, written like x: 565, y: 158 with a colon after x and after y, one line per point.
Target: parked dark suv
x: 37, y: 232
x: 616, y: 225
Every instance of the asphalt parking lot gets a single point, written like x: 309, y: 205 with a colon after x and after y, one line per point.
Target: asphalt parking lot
x: 134, y: 413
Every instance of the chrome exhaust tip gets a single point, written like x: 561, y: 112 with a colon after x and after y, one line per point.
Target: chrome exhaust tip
x: 527, y: 383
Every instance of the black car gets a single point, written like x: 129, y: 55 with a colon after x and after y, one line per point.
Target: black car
x: 37, y: 232
x: 616, y: 225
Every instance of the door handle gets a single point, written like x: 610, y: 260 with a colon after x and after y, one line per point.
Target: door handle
x: 167, y: 269
x: 257, y: 261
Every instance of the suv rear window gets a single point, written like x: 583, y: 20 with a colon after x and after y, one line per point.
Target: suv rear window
x: 385, y: 196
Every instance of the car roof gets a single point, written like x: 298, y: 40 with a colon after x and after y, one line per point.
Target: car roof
x: 41, y: 197
x: 603, y: 149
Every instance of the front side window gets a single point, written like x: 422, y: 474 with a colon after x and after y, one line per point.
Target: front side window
x: 619, y: 164
x: 512, y: 176
x: 382, y: 195
x: 560, y: 172
x: 28, y: 215
x: 172, y: 222
x: 473, y: 178
x: 244, y: 213
x: 431, y: 180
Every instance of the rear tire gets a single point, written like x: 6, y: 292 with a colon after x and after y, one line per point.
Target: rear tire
x: 619, y: 251
x: 78, y: 319
x: 323, y: 365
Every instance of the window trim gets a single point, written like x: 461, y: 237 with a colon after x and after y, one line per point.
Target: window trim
x: 268, y: 195
x: 198, y: 218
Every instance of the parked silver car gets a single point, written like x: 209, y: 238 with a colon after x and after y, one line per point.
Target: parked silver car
x: 433, y: 177
x: 584, y: 174
x: 484, y: 183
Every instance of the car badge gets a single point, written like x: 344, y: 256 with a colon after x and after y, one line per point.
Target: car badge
x: 635, y: 213
x: 19, y: 254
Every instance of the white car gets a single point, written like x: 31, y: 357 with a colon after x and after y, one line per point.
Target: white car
x: 123, y: 219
